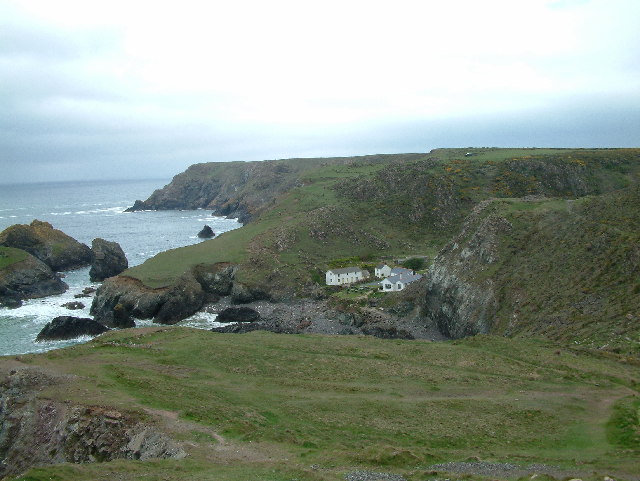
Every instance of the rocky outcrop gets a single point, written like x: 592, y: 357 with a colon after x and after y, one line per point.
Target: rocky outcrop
x: 217, y: 278
x: 121, y: 298
x: 28, y: 279
x: 73, y: 305
x: 460, y: 297
x: 69, y: 327
x: 238, y: 314
x: 108, y: 260
x: 52, y: 246
x: 36, y: 431
x: 206, y: 233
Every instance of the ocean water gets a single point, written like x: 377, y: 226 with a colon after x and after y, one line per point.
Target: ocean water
x: 86, y: 210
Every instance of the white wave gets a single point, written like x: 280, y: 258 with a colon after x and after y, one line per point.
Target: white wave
x: 115, y: 210
x: 60, y: 213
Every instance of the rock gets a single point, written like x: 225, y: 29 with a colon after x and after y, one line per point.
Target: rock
x: 69, y: 327
x: 242, y: 294
x: 137, y: 205
x: 216, y: 278
x: 238, y: 314
x: 108, y: 260
x: 73, y: 305
x: 206, y: 233
x: 86, y: 292
x: 120, y: 298
x: 9, y: 298
x: 456, y: 302
x: 27, y: 278
x: 52, y: 246
x: 37, y: 431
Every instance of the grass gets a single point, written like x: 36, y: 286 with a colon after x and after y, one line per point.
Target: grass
x: 10, y: 255
x: 380, y: 205
x: 342, y: 403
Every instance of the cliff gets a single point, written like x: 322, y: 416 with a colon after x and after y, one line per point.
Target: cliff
x: 35, y: 430
x: 239, y: 189
x: 564, y: 269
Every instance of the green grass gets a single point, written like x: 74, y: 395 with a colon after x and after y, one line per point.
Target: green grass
x: 354, y: 402
x: 10, y: 255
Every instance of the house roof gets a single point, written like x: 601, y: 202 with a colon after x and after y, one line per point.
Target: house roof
x: 346, y: 270
x: 404, y: 278
x: 380, y: 266
x: 401, y: 271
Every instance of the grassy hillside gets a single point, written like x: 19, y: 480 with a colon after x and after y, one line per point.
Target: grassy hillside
x: 274, y: 407
x: 570, y: 270
x: 384, y: 206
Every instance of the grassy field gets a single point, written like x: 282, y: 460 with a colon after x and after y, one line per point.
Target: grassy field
x: 277, y: 407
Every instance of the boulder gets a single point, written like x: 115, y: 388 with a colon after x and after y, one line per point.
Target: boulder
x: 238, y: 314
x: 206, y: 233
x: 26, y: 277
x: 52, y: 246
x: 73, y: 305
x: 69, y: 327
x: 216, y: 278
x: 243, y: 294
x: 119, y: 298
x: 108, y: 260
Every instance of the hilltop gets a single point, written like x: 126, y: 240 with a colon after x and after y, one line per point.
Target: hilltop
x: 570, y: 214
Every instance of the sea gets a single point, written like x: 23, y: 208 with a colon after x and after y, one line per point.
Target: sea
x: 86, y: 210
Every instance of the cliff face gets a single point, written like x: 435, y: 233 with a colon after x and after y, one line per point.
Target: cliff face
x: 243, y: 189
x: 568, y: 270
x: 461, y: 299
x: 36, y: 431
x: 235, y: 189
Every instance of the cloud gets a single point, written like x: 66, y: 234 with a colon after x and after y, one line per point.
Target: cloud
x: 125, y: 88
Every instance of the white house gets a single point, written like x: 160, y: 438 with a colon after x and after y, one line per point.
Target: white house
x: 398, y: 282
x: 346, y: 275
x: 382, y: 270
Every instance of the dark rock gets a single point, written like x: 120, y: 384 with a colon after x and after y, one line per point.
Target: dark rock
x: 86, y: 292
x: 9, y: 298
x: 138, y: 205
x: 37, y: 431
x: 216, y: 278
x: 206, y: 233
x: 244, y: 327
x: 27, y: 279
x: 73, y: 305
x: 108, y: 260
x: 166, y: 305
x: 238, y: 314
x: 122, y: 318
x: 69, y: 327
x: 242, y: 294
x: 52, y: 246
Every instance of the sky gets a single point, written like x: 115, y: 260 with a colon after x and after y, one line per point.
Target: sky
x: 141, y: 89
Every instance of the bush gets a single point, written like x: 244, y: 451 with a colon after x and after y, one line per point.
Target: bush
x: 415, y: 263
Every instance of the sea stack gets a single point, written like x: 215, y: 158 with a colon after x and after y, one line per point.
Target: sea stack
x: 108, y: 260
x: 206, y: 233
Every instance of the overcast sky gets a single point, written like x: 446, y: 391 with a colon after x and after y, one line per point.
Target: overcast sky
x: 119, y: 89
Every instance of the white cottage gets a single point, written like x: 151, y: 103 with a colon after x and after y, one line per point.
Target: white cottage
x: 382, y: 270
x: 345, y: 275
x: 398, y: 282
